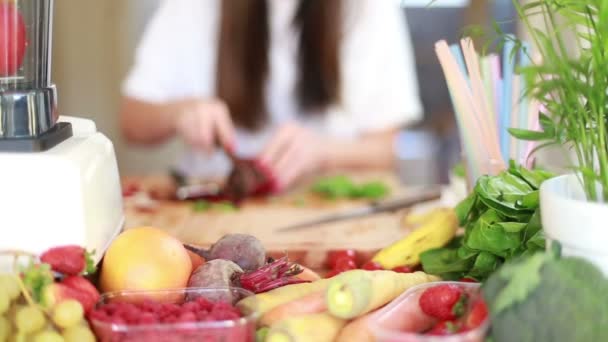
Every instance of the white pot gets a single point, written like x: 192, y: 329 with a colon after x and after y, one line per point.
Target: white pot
x: 580, y: 226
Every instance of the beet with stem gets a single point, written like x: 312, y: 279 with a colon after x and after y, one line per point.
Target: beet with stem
x: 245, y: 250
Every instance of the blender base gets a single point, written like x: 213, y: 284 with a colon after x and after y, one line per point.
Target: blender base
x: 59, y: 133
x: 69, y: 194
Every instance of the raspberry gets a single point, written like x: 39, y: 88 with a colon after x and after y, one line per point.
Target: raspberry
x: 147, y: 318
x: 190, y: 307
x: 187, y: 317
x: 204, y: 304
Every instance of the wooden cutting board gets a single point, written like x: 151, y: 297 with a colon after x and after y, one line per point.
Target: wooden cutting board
x: 263, y: 218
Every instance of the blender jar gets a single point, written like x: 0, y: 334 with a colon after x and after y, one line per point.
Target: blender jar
x: 28, y: 109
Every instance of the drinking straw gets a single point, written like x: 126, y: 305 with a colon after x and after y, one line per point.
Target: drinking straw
x: 497, y: 79
x: 488, y: 84
x: 507, y: 88
x: 482, y: 112
x: 514, y: 117
x: 463, y: 101
x: 455, y: 49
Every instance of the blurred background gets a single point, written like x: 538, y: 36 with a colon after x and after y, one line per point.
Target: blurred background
x: 94, y: 43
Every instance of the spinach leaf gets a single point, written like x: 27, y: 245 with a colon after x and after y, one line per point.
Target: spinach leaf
x: 464, y: 252
x: 444, y: 261
x: 464, y: 208
x: 537, y: 242
x: 485, y: 263
x: 529, y: 201
x: 512, y: 227
x: 534, y: 225
x: 343, y: 187
x: 490, y: 237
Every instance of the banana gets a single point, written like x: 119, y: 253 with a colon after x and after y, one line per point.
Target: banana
x: 435, y: 230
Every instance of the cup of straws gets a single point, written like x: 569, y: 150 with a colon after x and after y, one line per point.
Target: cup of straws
x: 489, y: 98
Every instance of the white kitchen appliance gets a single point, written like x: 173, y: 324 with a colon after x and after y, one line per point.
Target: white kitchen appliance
x: 59, y: 181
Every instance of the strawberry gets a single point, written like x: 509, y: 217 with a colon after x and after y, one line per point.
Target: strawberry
x: 476, y: 317
x: 403, y: 269
x: 445, y: 302
x: 69, y: 260
x: 372, y: 266
x: 444, y: 328
x: 74, y: 287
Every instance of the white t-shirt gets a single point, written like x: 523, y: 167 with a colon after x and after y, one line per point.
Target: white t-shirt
x: 177, y: 56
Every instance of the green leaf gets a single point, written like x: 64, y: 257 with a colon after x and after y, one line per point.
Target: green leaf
x: 537, y: 241
x: 530, y: 201
x: 502, y: 193
x: 91, y: 268
x: 372, y: 190
x: 465, y: 252
x: 490, y: 237
x: 512, y: 227
x: 444, y: 261
x: 533, y: 226
x: 529, y: 135
x: 201, y: 206
x: 523, y: 278
x: 463, y: 209
x: 36, y: 277
x: 485, y: 263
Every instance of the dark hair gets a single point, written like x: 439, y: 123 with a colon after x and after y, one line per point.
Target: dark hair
x: 243, y: 62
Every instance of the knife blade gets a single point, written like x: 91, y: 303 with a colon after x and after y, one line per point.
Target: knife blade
x: 368, y: 210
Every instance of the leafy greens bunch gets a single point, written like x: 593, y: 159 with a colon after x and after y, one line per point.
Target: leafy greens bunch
x: 571, y: 82
x: 501, y: 220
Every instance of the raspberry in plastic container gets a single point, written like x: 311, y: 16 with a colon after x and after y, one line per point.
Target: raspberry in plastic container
x: 404, y: 321
x: 126, y: 316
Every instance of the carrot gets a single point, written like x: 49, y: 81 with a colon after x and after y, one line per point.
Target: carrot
x: 308, y: 274
x: 309, y: 304
x: 319, y: 327
x: 267, y: 301
x: 355, y: 293
x: 358, y: 330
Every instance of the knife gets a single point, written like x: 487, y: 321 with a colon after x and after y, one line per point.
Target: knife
x: 368, y: 210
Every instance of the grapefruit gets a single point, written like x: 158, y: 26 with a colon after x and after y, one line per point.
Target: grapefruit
x: 145, y: 259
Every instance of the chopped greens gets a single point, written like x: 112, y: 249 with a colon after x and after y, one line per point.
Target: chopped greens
x: 343, y: 187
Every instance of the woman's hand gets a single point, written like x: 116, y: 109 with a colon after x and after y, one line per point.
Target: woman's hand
x: 293, y: 152
x: 202, y: 124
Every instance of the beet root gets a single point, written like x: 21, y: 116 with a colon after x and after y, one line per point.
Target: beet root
x: 216, y: 274
x: 245, y: 250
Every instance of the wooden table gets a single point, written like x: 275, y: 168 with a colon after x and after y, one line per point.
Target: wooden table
x: 262, y: 218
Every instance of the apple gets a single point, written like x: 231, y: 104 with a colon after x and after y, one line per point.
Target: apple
x: 13, y: 40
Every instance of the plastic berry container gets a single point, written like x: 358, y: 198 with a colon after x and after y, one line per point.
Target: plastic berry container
x: 403, y: 320
x: 235, y: 330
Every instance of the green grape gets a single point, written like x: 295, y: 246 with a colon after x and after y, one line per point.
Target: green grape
x: 5, y: 329
x: 29, y: 319
x: 68, y: 313
x: 9, y: 284
x: 78, y: 333
x: 48, y: 336
x: 19, y: 337
x: 5, y: 302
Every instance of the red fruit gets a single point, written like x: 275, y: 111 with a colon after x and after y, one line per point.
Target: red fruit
x: 186, y: 317
x: 334, y: 256
x: 445, y: 302
x: 468, y: 280
x: 147, y: 318
x: 372, y: 266
x: 332, y: 274
x: 69, y: 260
x: 87, y: 294
x: 444, y: 328
x: 476, y: 317
x: 345, y: 264
x: 13, y: 39
x: 403, y: 269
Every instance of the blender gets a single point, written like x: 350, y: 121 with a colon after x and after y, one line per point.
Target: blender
x: 59, y: 180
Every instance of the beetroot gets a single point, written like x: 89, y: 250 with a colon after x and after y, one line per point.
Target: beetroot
x: 245, y: 250
x: 216, y: 274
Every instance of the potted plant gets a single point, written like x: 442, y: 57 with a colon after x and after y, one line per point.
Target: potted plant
x: 572, y: 83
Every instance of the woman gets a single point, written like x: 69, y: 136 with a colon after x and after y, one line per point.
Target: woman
x: 302, y: 86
